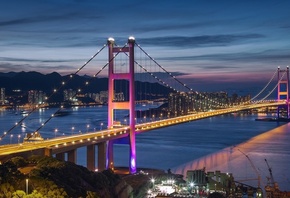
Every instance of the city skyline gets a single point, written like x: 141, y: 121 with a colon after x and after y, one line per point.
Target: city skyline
x: 220, y: 41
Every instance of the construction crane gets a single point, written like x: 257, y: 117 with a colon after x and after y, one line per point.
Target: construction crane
x: 254, y: 168
x: 270, y: 171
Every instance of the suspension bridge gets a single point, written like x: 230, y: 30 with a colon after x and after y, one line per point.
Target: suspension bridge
x: 66, y: 146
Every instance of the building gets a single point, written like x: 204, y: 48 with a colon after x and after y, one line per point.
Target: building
x: 69, y: 95
x: 102, y: 97
x: 36, y: 97
x: 181, y: 103
x: 203, y: 184
x: 2, y: 96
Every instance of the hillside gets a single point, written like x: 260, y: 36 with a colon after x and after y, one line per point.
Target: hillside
x: 49, y: 177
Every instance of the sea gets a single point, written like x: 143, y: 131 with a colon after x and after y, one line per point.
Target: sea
x: 233, y: 143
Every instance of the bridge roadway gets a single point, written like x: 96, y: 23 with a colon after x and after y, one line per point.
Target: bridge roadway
x: 67, y: 143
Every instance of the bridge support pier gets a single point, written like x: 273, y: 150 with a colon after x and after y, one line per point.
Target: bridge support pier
x: 91, y: 157
x: 110, y: 155
x: 47, y: 152
x: 72, y: 156
x: 60, y: 156
x: 102, y: 156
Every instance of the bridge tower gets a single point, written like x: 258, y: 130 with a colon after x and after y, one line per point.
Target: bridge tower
x: 283, y: 91
x: 129, y: 105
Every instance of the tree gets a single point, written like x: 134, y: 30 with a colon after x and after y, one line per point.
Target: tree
x: 216, y: 195
x: 35, y: 194
x: 19, y: 161
x: 19, y: 194
x: 91, y: 194
x: 49, y: 188
x: 6, y: 190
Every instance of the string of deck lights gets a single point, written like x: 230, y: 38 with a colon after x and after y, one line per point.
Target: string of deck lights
x: 181, y: 83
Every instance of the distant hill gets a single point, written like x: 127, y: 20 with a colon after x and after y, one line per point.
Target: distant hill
x: 26, y: 81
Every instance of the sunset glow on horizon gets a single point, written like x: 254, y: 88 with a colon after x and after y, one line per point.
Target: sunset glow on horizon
x: 218, y: 41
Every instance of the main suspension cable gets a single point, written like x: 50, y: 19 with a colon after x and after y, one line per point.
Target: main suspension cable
x: 55, y: 91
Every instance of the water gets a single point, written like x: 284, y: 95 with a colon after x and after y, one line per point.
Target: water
x: 209, y: 142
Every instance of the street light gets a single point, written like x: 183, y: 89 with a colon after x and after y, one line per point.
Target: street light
x: 191, y: 184
x: 26, y: 181
x: 55, y: 131
x: 19, y: 138
x: 88, y: 126
x: 11, y: 136
x: 153, y: 181
x: 72, y: 130
x: 101, y: 127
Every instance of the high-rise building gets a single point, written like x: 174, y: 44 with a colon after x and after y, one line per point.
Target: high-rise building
x: 69, y: 95
x: 2, y: 96
x: 181, y: 103
x: 36, y: 97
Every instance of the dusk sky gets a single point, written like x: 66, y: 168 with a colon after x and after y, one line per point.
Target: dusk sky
x: 229, y: 41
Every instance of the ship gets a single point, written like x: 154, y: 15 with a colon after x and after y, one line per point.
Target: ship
x: 32, y: 137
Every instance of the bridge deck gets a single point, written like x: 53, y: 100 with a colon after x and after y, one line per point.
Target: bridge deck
x: 67, y: 143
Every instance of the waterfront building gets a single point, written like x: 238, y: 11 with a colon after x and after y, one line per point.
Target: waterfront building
x: 180, y: 103
x: 183, y: 103
x: 202, y: 183
x: 102, y: 97
x: 69, y: 95
x: 2, y: 96
x: 36, y: 97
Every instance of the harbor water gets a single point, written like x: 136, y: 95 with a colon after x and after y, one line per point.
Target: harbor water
x: 233, y: 143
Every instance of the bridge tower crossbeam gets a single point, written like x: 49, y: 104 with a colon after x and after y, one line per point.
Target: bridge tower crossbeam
x: 283, y: 91
x: 127, y: 105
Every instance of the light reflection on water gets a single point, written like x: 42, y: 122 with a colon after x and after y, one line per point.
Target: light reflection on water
x: 247, y: 160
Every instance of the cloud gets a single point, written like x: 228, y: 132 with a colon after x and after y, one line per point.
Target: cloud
x: 171, y: 26
x: 263, y: 56
x: 217, y: 67
x: 39, y: 19
x: 63, y: 69
x: 35, y: 60
x: 199, y: 41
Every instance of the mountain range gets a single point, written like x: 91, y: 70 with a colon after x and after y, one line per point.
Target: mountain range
x: 26, y: 81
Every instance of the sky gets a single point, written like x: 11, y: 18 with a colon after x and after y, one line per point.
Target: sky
x: 206, y: 41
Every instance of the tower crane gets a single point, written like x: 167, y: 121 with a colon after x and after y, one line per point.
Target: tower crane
x: 270, y: 171
x: 254, y: 168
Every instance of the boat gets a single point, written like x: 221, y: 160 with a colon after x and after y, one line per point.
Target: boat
x: 32, y: 137
x: 62, y: 113
x: 24, y: 112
